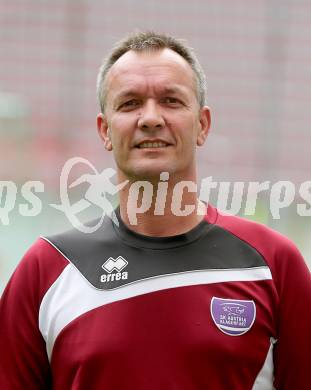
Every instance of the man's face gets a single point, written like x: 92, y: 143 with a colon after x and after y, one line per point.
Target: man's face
x: 152, y: 115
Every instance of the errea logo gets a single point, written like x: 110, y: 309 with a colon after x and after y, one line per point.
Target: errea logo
x: 117, y: 265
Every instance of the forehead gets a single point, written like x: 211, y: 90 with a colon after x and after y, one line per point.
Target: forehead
x: 150, y: 69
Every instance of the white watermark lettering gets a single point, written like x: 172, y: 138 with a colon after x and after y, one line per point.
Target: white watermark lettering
x: 305, y: 193
x: 177, y: 197
x: 282, y: 195
x: 237, y: 197
x: 34, y: 201
x: 101, y: 191
x: 254, y: 188
x: 161, y: 196
x: 8, y: 192
x: 145, y: 201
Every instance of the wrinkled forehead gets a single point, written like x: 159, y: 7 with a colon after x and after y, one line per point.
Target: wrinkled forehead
x: 155, y: 68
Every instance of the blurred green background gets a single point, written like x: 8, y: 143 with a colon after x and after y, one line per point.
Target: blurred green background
x: 256, y: 56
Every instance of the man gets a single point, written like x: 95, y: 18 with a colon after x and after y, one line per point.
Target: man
x: 179, y: 300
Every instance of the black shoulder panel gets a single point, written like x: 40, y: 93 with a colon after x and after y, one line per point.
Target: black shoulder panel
x: 108, y: 261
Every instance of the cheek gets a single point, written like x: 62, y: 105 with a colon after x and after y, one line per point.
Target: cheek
x: 188, y: 129
x: 121, y: 128
x: 122, y: 125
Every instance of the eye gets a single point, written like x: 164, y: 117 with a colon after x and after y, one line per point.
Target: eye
x: 129, y: 104
x: 170, y: 100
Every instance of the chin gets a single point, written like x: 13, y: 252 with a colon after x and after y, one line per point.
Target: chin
x: 148, y: 171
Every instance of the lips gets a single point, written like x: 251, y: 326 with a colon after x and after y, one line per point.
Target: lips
x: 152, y: 144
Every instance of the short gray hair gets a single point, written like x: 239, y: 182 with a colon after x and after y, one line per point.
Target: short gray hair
x: 146, y: 41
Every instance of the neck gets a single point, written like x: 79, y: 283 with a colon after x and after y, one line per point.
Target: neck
x: 161, y: 208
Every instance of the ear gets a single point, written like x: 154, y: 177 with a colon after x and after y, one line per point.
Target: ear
x: 104, y: 131
x: 205, y: 124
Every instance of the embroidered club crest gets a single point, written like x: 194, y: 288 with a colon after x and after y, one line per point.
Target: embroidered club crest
x: 233, y: 316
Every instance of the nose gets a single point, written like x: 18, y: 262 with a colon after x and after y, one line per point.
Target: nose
x: 151, y: 117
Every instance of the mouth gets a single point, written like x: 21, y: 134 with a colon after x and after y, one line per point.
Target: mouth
x: 152, y: 145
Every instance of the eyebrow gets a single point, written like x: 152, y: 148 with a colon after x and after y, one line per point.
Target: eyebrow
x: 126, y: 94
x: 166, y: 90
x: 172, y: 90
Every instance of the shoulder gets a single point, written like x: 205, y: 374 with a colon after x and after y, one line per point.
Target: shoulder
x: 43, y: 254
x: 260, y: 236
x: 38, y: 269
x: 279, y: 252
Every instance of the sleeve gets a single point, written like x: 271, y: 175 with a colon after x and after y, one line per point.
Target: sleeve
x: 292, y: 350
x: 293, y: 307
x: 23, y: 358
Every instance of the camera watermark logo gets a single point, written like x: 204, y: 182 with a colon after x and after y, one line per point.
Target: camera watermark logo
x: 100, y: 185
